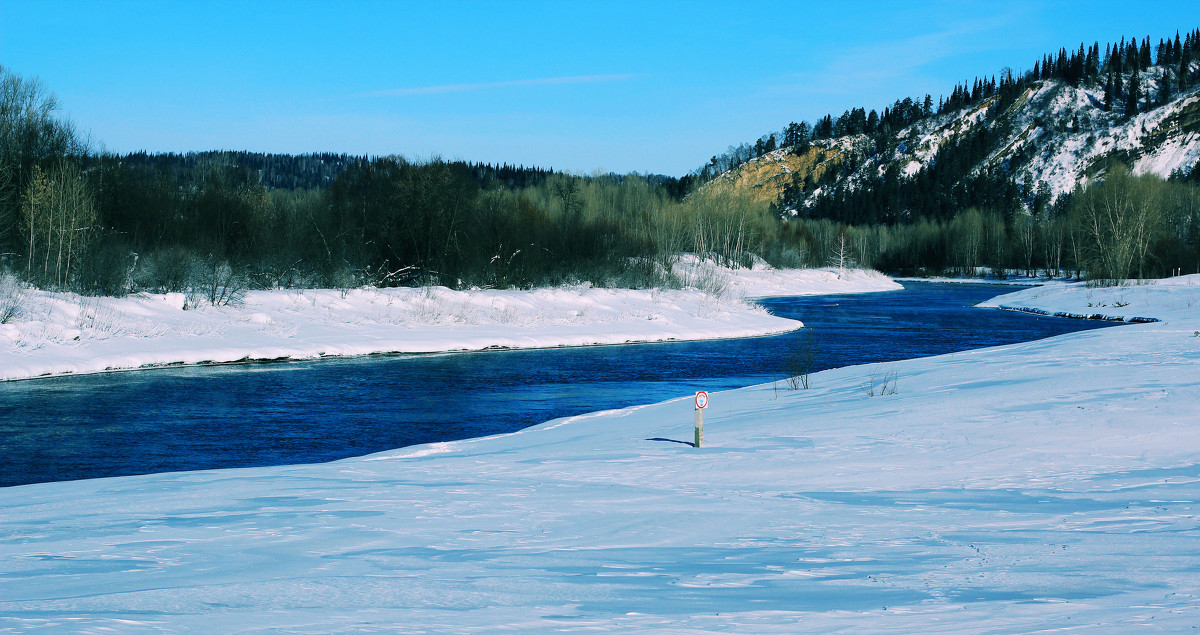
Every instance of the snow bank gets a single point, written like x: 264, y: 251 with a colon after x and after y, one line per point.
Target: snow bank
x: 1133, y: 301
x: 63, y: 333
x: 763, y: 280
x: 1010, y: 280
x: 60, y: 333
x: 1049, y: 485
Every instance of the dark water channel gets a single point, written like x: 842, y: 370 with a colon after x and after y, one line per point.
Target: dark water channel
x: 303, y: 412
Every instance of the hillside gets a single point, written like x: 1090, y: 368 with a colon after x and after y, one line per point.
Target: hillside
x: 1049, y: 139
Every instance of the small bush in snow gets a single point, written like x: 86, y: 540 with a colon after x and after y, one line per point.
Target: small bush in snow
x: 166, y: 270
x: 217, y: 282
x: 799, y: 358
x: 12, y: 296
x: 877, y: 385
x: 710, y: 281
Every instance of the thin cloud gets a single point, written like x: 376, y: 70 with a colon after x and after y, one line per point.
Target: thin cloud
x: 518, y: 83
x: 883, y: 65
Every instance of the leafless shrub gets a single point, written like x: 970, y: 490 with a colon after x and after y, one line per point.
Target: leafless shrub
x: 710, y: 280
x: 12, y: 296
x: 218, y: 283
x: 224, y: 286
x: 798, y: 359
x: 166, y: 270
x: 275, y: 274
x: 877, y: 385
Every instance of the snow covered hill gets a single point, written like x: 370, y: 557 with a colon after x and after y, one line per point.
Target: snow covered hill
x: 1054, y: 137
x: 1050, y: 485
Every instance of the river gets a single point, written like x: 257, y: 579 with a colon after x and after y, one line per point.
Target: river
x: 196, y: 418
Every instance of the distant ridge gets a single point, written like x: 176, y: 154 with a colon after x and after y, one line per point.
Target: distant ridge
x: 1017, y: 143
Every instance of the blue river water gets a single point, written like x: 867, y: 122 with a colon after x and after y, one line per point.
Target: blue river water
x: 304, y: 412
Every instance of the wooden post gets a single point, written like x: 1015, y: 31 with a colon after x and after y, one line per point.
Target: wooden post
x: 699, y: 428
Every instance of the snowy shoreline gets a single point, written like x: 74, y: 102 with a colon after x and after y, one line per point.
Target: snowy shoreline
x: 1012, y: 282
x: 1046, y: 485
x: 57, y: 334
x: 1076, y: 316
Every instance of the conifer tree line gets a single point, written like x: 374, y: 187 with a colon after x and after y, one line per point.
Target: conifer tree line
x: 1116, y: 69
x: 74, y: 219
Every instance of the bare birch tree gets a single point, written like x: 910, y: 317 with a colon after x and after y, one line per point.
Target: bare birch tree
x: 59, y: 215
x: 1117, y: 219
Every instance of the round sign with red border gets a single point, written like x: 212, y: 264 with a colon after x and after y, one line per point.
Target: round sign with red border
x: 701, y: 399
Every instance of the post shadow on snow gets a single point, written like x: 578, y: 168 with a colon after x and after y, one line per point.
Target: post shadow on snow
x: 687, y: 443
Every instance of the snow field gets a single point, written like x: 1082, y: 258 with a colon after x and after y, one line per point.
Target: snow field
x: 1040, y: 486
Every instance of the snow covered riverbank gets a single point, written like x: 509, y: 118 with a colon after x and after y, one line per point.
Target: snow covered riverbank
x: 1136, y: 301
x: 1039, y: 486
x: 60, y: 333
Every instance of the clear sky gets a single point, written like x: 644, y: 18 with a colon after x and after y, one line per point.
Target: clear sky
x: 652, y: 87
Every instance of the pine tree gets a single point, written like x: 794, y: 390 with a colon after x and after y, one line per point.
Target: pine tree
x: 1079, y: 65
x: 1108, y: 94
x: 802, y: 138
x: 1135, y: 94
x: 791, y: 134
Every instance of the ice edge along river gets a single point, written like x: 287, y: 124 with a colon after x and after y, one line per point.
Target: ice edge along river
x: 1038, y: 486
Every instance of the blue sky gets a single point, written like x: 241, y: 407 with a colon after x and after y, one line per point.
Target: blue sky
x: 622, y: 86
